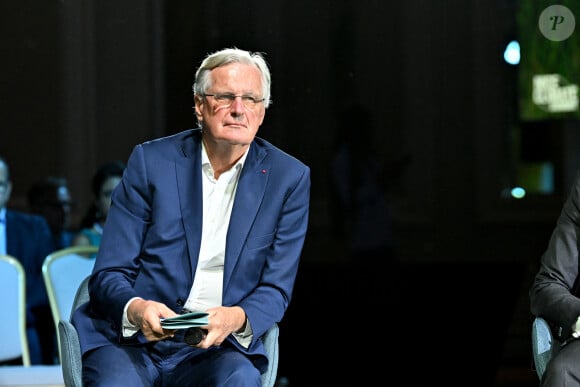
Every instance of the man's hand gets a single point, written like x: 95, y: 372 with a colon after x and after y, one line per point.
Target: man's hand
x: 147, y: 316
x: 223, y: 320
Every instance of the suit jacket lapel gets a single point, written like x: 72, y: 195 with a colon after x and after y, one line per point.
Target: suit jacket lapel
x: 188, y: 170
x: 249, y: 195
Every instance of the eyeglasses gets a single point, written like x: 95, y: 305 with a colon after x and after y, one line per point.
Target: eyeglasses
x: 227, y: 99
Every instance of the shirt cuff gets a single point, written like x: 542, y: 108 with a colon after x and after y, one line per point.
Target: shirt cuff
x: 244, y: 338
x: 128, y: 328
x: 576, y: 329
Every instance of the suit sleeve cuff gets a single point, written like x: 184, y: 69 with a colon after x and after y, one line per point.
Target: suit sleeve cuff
x: 576, y: 328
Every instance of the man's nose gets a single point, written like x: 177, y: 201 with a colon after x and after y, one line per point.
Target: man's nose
x: 237, y: 104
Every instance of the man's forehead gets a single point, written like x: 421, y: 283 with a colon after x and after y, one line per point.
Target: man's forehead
x: 237, y: 74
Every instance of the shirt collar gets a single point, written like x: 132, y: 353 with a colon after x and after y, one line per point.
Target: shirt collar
x: 206, y: 166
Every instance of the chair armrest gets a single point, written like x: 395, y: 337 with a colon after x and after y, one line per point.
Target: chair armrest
x: 270, y: 341
x: 541, y: 344
x: 70, y: 353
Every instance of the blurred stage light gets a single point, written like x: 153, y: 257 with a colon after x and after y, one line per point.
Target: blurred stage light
x: 512, y: 53
x: 518, y: 193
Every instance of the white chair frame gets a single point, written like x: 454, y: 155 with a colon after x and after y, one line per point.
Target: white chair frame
x: 63, y: 271
x: 13, y: 306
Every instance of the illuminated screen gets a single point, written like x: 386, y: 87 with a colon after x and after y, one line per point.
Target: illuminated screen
x: 549, y: 70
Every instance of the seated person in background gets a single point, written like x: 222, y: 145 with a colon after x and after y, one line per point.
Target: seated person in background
x: 554, y: 294
x: 51, y: 199
x: 104, y: 181
x: 27, y: 238
x: 207, y: 220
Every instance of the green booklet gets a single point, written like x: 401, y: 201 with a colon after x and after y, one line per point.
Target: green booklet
x: 187, y: 320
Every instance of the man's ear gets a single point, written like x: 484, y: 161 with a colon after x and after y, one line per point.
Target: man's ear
x: 198, y: 102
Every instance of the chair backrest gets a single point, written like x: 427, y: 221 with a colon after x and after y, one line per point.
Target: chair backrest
x: 13, y: 306
x: 541, y: 344
x: 81, y: 296
x: 69, y: 347
x: 63, y: 272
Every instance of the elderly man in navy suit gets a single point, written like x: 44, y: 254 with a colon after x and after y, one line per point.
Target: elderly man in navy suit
x: 211, y: 219
x: 27, y: 238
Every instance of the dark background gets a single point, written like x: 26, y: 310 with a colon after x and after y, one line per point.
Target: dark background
x: 82, y: 82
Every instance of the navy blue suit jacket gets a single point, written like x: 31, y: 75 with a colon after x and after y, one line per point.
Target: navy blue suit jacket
x: 150, y: 245
x: 28, y: 239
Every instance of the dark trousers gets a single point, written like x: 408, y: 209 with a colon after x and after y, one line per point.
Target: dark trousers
x: 563, y: 369
x: 168, y: 363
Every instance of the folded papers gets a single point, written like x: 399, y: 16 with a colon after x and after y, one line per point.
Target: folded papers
x: 187, y: 320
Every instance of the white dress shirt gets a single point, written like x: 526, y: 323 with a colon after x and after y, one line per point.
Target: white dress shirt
x: 218, y: 199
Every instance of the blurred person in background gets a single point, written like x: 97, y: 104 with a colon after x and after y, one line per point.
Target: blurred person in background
x: 104, y: 181
x: 51, y: 199
x: 27, y: 237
